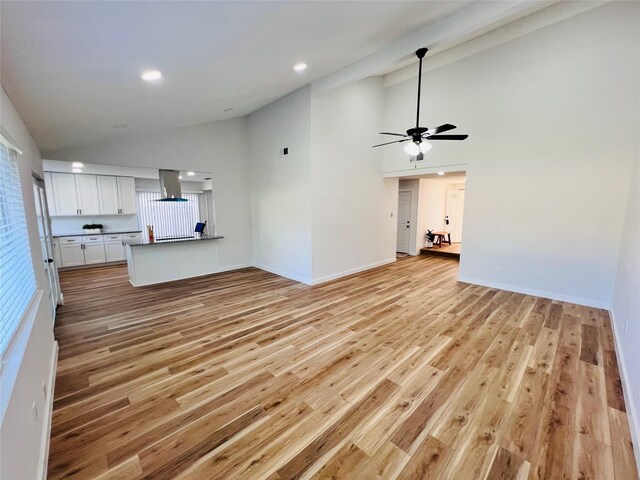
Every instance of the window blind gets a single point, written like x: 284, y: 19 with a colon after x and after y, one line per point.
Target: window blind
x: 17, y: 279
x: 169, y: 219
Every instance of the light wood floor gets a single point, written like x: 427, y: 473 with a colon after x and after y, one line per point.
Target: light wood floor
x: 398, y: 372
x: 451, y: 251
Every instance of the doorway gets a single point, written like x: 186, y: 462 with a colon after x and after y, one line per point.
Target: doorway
x: 46, y: 243
x: 404, y: 222
x: 431, y: 214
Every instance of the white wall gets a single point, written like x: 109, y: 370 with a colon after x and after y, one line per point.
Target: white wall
x: 553, y: 125
x: 23, y: 439
x: 626, y: 307
x: 219, y: 147
x: 352, y: 204
x: 280, y: 186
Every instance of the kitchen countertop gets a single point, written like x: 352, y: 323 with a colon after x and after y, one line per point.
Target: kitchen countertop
x: 108, y: 232
x: 145, y: 242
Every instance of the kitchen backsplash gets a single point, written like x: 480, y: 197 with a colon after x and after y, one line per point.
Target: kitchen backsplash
x: 110, y: 222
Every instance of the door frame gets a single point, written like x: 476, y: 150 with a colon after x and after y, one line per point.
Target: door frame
x: 411, y: 222
x: 53, y: 282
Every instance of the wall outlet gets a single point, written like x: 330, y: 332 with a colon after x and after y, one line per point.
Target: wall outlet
x: 44, y: 389
x: 498, y: 269
x: 35, y: 411
x: 626, y: 324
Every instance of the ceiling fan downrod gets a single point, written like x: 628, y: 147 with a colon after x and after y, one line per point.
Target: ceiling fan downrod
x: 420, y: 53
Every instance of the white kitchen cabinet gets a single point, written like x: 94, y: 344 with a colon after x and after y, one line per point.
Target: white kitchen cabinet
x: 94, y: 253
x: 87, y: 193
x: 71, y: 251
x: 108, y: 195
x: 64, y: 194
x: 48, y: 190
x: 127, y: 195
x: 114, y: 248
x: 131, y: 237
x: 90, y: 194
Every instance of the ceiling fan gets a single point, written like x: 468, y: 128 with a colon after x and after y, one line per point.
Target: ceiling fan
x: 419, y: 135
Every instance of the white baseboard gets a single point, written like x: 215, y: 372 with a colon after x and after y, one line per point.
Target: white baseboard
x: 537, y: 293
x: 328, y: 278
x: 632, y: 414
x: 282, y: 273
x: 46, y: 440
x: 234, y: 267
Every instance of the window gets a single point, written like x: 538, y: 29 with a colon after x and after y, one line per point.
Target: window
x: 17, y: 280
x: 169, y: 219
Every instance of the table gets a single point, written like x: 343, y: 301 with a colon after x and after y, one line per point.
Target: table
x: 439, y: 237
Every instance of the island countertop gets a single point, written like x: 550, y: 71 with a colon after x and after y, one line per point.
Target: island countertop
x: 145, y: 242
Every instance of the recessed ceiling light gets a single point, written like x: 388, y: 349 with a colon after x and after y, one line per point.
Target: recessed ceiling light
x: 151, y: 75
x: 440, y: 173
x: 191, y: 174
x: 299, y: 67
x: 77, y: 165
x: 228, y: 109
x: 179, y: 177
x: 76, y: 170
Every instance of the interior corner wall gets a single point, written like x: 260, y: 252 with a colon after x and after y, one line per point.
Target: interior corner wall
x: 217, y: 147
x: 552, y: 119
x: 353, y: 228
x: 626, y: 308
x: 281, y: 186
x: 23, y: 439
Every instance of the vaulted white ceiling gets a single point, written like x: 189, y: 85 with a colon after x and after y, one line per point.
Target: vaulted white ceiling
x: 72, y: 69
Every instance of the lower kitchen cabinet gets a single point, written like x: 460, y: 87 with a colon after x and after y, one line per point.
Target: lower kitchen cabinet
x: 114, y: 248
x: 93, y: 249
x: 71, y: 254
x: 94, y: 252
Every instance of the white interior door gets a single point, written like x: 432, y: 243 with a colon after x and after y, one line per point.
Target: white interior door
x: 455, y: 213
x: 404, y: 222
x: 46, y: 243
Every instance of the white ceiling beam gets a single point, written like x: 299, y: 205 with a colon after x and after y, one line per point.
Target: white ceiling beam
x: 474, y: 20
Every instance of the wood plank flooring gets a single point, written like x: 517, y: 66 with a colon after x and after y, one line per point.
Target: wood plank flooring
x: 400, y: 372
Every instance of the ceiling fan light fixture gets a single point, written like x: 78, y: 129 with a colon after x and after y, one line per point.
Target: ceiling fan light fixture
x: 425, y: 147
x: 412, y: 149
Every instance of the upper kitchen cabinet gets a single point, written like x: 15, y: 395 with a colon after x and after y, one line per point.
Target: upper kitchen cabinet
x: 127, y: 195
x: 117, y: 195
x: 108, y: 195
x: 91, y: 194
x: 63, y: 187
x: 87, y: 193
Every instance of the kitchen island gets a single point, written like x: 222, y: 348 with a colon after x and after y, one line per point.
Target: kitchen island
x: 171, y: 259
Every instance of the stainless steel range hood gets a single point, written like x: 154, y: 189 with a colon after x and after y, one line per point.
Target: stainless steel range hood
x: 170, y: 188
